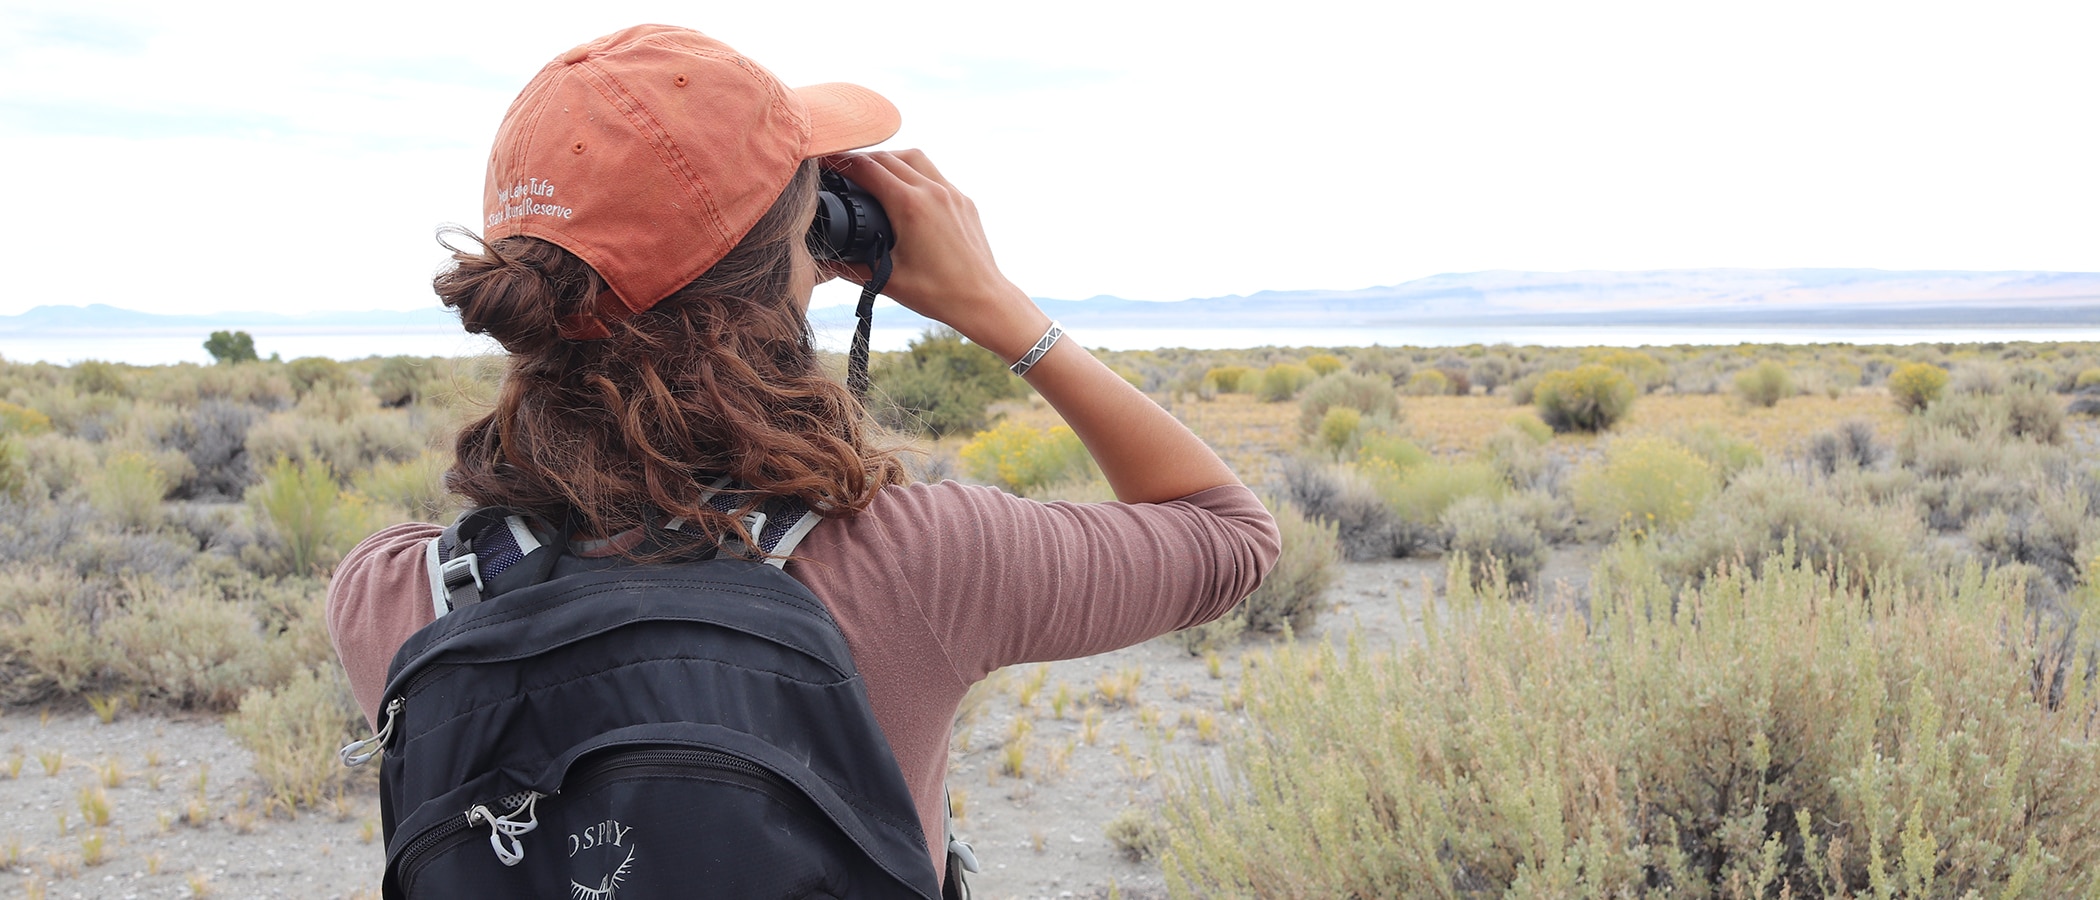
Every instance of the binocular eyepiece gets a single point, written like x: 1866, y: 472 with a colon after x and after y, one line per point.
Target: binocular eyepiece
x: 850, y: 225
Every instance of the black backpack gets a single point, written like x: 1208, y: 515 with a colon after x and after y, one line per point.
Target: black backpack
x: 591, y: 729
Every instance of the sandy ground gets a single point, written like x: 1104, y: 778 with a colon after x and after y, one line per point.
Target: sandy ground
x: 185, y: 816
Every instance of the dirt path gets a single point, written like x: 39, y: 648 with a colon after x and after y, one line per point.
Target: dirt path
x: 184, y: 812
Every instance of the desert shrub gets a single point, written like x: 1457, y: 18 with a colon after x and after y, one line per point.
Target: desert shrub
x: 310, y: 373
x: 1916, y: 385
x: 56, y: 465
x: 1379, y: 446
x: 311, y: 522
x: 1339, y: 429
x: 1984, y: 379
x: 1777, y: 736
x: 215, y: 440
x: 97, y: 377
x: 1365, y: 528
x: 1135, y: 832
x: 1364, y: 393
x: 1768, y: 510
x: 1428, y: 383
x: 1764, y: 384
x: 1524, y: 391
x: 1520, y: 460
x: 1023, y: 458
x: 195, y: 646
x: 2086, y: 378
x: 1726, y: 453
x: 402, y: 380
x: 22, y: 420
x: 1419, y: 494
x: 1553, y: 516
x: 2055, y: 534
x: 2023, y: 414
x: 1494, y: 538
x: 940, y: 385
x: 2086, y: 403
x: 17, y: 482
x: 282, y: 725
x: 1490, y: 372
x: 1588, y: 398
x: 1283, y: 381
x: 1645, y: 371
x: 415, y: 486
x: 129, y: 490
x: 1291, y: 597
x: 1328, y: 364
x: 1231, y: 379
x: 1643, y: 485
x: 1851, y: 444
x: 346, y: 445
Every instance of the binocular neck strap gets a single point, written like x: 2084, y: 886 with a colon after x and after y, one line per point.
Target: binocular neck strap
x: 864, y: 318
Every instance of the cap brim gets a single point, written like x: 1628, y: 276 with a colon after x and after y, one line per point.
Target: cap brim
x: 846, y: 117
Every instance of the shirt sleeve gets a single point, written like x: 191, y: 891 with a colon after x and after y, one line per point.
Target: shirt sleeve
x: 380, y: 595
x: 1001, y: 580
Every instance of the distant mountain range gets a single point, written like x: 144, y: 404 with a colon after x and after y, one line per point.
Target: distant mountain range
x: 1717, y: 298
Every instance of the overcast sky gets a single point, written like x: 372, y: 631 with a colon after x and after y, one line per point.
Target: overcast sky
x: 179, y: 157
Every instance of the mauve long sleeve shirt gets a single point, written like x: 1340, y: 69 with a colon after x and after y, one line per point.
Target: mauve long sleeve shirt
x: 934, y: 586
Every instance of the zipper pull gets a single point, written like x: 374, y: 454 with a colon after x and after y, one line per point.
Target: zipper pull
x: 357, y: 753
x: 506, y: 828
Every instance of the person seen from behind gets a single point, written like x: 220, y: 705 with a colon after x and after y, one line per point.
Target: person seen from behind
x: 642, y: 260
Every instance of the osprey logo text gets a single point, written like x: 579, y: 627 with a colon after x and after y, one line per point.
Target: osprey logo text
x: 602, y: 843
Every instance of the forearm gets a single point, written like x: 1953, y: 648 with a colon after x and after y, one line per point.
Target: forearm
x: 1146, y: 454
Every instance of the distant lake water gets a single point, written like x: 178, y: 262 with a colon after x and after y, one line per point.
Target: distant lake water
x: 160, y: 348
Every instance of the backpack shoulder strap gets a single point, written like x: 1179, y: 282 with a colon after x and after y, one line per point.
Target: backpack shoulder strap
x: 479, y: 546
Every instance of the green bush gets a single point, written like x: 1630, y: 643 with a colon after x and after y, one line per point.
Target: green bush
x: 402, y: 380
x: 414, y: 486
x: 1283, y: 381
x: 1764, y: 384
x: 229, y: 347
x: 1291, y: 597
x: 1643, y: 485
x: 1419, y: 494
x: 312, y: 521
x: 129, y: 490
x: 97, y: 377
x: 1231, y: 379
x: 16, y: 419
x: 1588, y: 398
x: 1916, y: 385
x: 1428, y: 383
x: 1328, y: 364
x: 2086, y: 378
x: 2019, y: 413
x: 1761, y: 736
x: 312, y: 373
x: 1366, y: 394
x: 1023, y: 458
x: 941, y: 385
x: 1726, y: 453
x: 1645, y: 371
x: 283, y: 725
x: 1339, y: 429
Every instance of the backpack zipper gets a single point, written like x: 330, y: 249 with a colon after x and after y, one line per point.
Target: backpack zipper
x: 358, y: 752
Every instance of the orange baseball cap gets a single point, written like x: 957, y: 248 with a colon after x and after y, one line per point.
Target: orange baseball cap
x: 650, y: 152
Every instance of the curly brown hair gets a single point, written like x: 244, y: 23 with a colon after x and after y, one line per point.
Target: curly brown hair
x: 720, y: 378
